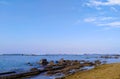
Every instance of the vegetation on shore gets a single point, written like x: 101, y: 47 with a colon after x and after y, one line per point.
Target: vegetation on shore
x: 106, y: 71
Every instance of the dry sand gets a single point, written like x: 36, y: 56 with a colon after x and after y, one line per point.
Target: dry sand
x: 107, y: 71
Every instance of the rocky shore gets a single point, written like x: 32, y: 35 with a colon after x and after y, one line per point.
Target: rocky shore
x: 65, y: 67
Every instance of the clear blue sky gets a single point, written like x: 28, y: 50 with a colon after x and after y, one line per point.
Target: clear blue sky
x: 59, y: 26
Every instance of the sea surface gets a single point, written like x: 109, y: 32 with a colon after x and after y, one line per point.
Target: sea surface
x: 19, y: 63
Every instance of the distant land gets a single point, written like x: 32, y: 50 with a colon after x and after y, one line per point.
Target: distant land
x: 40, y: 54
x: 18, y: 54
x: 49, y: 54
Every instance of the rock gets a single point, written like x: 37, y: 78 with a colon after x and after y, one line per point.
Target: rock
x: 43, y: 62
x: 104, y: 62
x: 66, y: 66
x: 97, y: 62
x: 28, y: 63
x: 106, y: 56
x: 23, y: 74
x: 87, y: 63
x: 56, y: 62
x: 5, y: 73
x: 33, y: 69
x: 49, y: 73
x: 50, y: 68
x: 60, y: 78
x: 51, y: 63
x: 110, y: 56
x: 75, y: 62
x: 61, y: 61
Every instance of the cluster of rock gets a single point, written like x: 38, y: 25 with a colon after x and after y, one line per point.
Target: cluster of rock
x: 66, y: 66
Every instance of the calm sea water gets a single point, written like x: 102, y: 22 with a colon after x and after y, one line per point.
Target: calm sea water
x: 18, y: 63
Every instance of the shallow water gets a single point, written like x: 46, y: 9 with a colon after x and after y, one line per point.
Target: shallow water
x: 19, y: 62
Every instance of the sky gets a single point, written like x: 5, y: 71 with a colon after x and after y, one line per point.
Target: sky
x: 59, y: 26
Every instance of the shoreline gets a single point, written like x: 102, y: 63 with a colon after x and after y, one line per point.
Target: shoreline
x: 106, y: 71
x: 61, y: 66
x: 53, y: 67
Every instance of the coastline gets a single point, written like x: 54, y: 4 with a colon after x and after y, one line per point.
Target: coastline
x: 106, y: 71
x: 60, y: 68
x: 55, y: 67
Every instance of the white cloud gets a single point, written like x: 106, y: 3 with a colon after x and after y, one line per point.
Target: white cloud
x: 94, y: 3
x: 96, y: 19
x: 113, y: 2
x: 101, y: 3
x: 106, y: 18
x: 103, y: 21
x: 111, y: 24
x: 91, y: 19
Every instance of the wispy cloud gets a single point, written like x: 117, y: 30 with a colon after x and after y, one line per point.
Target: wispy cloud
x: 111, y: 24
x: 114, y: 9
x: 91, y: 19
x: 102, y: 6
x: 96, y: 19
x: 103, y: 21
x: 101, y: 3
x: 106, y: 18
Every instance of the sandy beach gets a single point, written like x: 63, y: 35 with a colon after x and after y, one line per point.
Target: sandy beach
x: 107, y: 71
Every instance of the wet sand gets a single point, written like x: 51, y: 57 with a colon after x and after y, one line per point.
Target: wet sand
x: 107, y: 71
